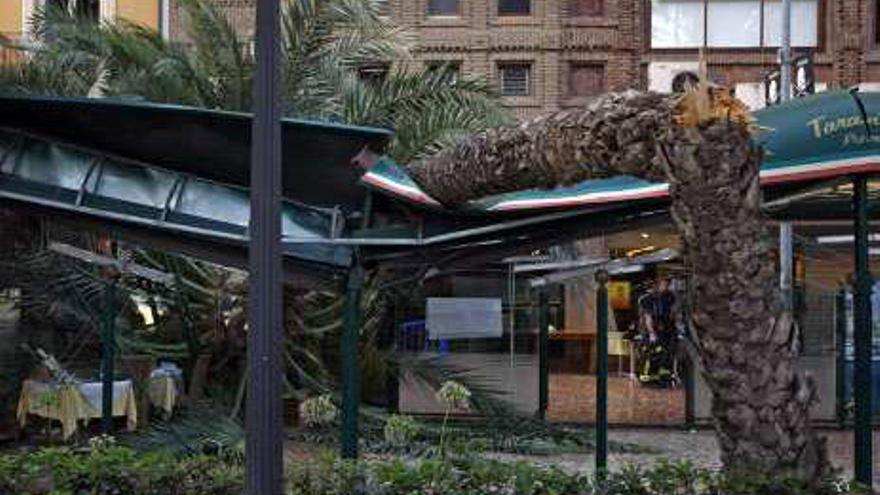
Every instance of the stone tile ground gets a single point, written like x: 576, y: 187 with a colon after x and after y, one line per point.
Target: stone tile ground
x: 572, y: 399
x: 697, y: 446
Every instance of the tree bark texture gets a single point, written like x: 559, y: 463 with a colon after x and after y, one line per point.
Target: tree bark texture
x: 614, y: 135
x: 745, y: 338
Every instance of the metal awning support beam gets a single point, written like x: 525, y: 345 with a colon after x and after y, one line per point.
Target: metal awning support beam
x: 264, y: 440
x: 601, y: 373
x: 350, y: 372
x: 863, y: 336
x: 611, y: 266
x: 543, y: 353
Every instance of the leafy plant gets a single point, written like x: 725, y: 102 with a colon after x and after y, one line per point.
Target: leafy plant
x: 453, y: 395
x: 400, y: 430
x: 319, y: 411
x: 200, y: 430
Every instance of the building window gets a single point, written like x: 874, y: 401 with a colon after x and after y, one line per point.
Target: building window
x: 586, y: 80
x: 731, y: 23
x: 587, y: 8
x: 383, y: 8
x: 85, y: 8
x: 373, y: 73
x: 443, y: 7
x: 451, y: 69
x: 515, y: 79
x: 514, y: 7
x: 877, y: 22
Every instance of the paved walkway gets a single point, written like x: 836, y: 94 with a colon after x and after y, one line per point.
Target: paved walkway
x: 699, y: 447
x: 573, y: 400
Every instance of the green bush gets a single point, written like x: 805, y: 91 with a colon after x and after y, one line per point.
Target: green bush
x: 115, y: 470
x: 477, y: 476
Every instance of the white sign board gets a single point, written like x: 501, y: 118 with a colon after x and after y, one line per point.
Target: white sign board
x: 463, y: 318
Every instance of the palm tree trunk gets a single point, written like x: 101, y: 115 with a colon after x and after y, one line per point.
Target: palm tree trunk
x: 614, y: 135
x: 744, y: 337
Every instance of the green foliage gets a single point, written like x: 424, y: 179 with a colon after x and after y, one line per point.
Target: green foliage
x: 200, y: 430
x: 473, y: 476
x: 400, y: 430
x: 112, y: 470
x: 319, y: 411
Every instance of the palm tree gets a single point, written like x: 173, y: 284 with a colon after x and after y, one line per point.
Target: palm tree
x: 702, y: 146
x: 324, y: 43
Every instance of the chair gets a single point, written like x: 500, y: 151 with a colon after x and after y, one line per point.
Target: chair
x: 619, y: 346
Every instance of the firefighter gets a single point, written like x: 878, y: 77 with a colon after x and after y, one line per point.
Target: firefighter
x: 658, y: 333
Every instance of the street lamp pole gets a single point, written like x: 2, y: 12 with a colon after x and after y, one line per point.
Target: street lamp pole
x: 264, y: 443
x: 785, y: 53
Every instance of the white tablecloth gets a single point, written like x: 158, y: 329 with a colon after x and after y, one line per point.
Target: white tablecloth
x: 72, y: 406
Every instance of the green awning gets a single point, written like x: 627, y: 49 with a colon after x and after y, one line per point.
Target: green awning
x: 211, y: 145
x: 180, y: 170
x: 819, y: 137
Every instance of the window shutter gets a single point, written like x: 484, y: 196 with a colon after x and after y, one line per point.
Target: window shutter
x: 586, y: 80
x: 588, y: 8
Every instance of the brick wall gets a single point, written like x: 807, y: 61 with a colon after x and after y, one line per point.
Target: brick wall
x: 554, y: 40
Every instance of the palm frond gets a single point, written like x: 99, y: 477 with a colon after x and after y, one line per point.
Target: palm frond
x: 201, y: 429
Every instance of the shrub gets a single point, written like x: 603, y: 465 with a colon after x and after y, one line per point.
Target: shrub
x: 478, y: 476
x: 108, y: 469
x: 400, y: 430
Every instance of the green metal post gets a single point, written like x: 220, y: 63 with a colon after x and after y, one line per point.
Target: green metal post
x: 840, y: 346
x: 108, y: 347
x: 863, y: 336
x: 602, y: 373
x: 350, y: 366
x: 543, y: 361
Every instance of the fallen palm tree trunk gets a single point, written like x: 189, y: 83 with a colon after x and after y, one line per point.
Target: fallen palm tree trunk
x: 701, y: 144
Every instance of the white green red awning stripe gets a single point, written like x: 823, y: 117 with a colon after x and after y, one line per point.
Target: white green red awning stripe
x: 819, y: 137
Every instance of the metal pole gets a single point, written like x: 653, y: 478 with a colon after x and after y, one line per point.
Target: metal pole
x: 108, y: 348
x: 602, y: 373
x: 543, y: 361
x: 351, y: 386
x: 785, y: 53
x: 786, y: 263
x: 264, y: 462
x: 863, y: 336
x: 840, y: 345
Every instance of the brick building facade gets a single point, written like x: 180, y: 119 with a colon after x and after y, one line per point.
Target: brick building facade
x: 549, y: 54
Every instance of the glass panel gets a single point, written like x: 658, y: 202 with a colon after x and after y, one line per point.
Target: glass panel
x: 203, y: 199
x: 50, y: 165
x: 514, y: 7
x: 297, y: 221
x: 515, y: 79
x: 135, y: 184
x: 676, y: 23
x: 443, y: 7
x: 734, y: 23
x: 804, y: 22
